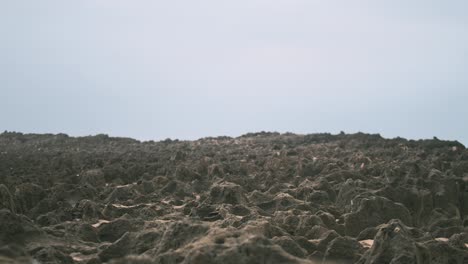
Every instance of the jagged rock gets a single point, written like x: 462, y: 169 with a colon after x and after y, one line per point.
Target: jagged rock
x: 395, y: 243
x: 122, y: 193
x: 258, y: 198
x: 343, y: 250
x: 215, y: 170
x: 240, y: 210
x: 372, y: 212
x: 146, y: 187
x: 324, y: 240
x: 290, y: 246
x: 93, y: 177
x: 28, y: 195
x: 87, y: 233
x: 6, y: 199
x: 227, y: 192
x: 14, y: 252
x: 133, y: 260
x: 368, y: 233
x: 114, y: 230
x: 418, y: 201
x: 185, y: 174
x: 459, y: 240
x: 348, y: 191
x: 52, y: 255
x: 206, y: 212
x: 251, y: 249
x: 47, y: 219
x: 15, y: 228
x: 443, y: 252
x: 88, y: 210
x: 179, y: 233
x: 118, y: 249
x: 306, y: 244
x: 146, y: 240
x: 114, y: 173
x: 16, y: 260
x: 177, y: 189
x: 282, y: 202
x: 330, y: 222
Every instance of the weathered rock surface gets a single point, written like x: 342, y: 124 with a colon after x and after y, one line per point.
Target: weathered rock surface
x: 259, y: 198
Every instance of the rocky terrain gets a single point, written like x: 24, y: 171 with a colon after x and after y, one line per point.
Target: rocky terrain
x: 258, y: 198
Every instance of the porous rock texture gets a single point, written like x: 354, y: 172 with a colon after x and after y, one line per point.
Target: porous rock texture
x: 259, y: 198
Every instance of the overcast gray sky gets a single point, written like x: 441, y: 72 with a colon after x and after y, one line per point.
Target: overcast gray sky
x: 188, y: 69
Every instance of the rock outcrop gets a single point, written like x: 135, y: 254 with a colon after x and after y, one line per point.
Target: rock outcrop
x: 259, y: 198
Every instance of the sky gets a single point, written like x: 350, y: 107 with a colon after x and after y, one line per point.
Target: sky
x: 153, y: 69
